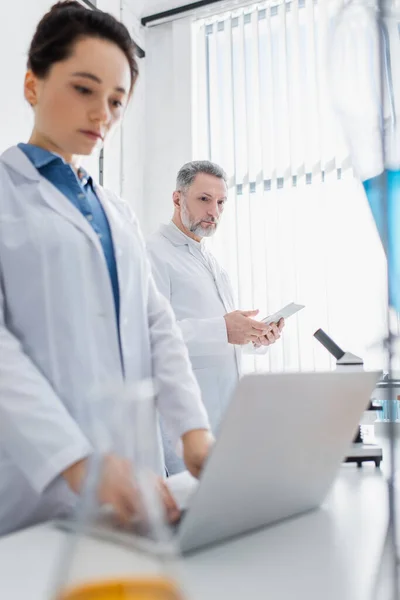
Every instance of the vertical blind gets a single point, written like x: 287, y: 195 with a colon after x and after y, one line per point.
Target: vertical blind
x: 296, y: 226
x: 265, y: 94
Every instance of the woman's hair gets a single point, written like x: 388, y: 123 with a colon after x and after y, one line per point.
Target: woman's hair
x: 68, y: 22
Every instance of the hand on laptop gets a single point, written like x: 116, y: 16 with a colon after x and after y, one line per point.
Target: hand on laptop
x: 272, y: 335
x: 171, y: 507
x: 117, y: 488
x: 196, y: 447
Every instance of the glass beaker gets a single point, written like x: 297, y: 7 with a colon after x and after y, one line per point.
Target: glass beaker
x: 108, y: 556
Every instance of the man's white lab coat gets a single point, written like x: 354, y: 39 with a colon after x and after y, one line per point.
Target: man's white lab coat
x: 200, y: 294
x: 59, y: 341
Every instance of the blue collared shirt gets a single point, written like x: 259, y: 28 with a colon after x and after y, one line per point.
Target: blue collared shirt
x: 80, y: 192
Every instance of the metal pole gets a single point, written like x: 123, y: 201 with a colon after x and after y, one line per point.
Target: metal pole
x: 390, y: 543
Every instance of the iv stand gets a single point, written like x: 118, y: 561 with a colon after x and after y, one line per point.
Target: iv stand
x: 389, y: 564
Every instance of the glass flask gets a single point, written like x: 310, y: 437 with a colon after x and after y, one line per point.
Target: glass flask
x: 106, y: 557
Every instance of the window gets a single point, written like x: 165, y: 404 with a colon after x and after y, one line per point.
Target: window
x: 296, y: 226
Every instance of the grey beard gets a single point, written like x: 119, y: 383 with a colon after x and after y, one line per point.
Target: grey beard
x: 202, y: 231
x: 196, y: 228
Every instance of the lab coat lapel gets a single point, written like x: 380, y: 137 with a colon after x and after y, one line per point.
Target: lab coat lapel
x: 48, y: 193
x: 198, y: 256
x: 59, y: 203
x: 120, y: 222
x: 216, y: 273
x: 223, y: 290
x: 177, y: 237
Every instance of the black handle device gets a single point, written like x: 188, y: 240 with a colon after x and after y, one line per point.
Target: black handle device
x: 329, y: 344
x: 350, y: 360
x: 337, y: 353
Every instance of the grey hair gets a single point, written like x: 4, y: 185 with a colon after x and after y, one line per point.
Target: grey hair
x: 188, y: 172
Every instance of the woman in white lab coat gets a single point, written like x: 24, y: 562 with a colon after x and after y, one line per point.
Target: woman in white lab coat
x: 79, y: 310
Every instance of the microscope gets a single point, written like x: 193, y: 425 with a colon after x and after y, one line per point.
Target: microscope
x: 359, y: 452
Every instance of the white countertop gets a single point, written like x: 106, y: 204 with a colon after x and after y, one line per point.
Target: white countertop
x: 332, y: 553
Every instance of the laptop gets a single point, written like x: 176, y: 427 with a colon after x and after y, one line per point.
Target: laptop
x: 278, y: 451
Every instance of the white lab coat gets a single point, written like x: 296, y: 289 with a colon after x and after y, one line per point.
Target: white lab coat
x: 59, y: 340
x: 200, y: 294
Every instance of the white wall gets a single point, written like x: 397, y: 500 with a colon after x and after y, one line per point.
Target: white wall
x: 168, y: 116
x: 133, y: 129
x: 15, y: 36
x: 152, y: 7
x: 123, y: 156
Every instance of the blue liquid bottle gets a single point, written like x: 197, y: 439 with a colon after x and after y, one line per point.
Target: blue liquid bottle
x: 386, y: 212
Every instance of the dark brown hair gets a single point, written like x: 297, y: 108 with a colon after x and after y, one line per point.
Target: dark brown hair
x: 68, y: 22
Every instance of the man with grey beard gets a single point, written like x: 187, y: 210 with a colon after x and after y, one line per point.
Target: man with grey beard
x: 200, y: 293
